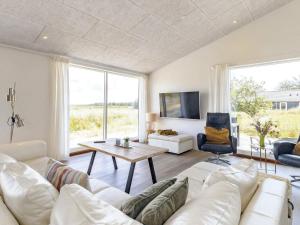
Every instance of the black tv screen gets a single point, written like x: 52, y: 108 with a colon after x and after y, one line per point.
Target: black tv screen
x: 180, y: 105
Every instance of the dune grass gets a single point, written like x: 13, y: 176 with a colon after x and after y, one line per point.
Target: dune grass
x: 288, y: 122
x: 87, y: 121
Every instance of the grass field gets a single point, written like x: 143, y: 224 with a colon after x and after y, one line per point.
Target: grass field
x: 86, y: 122
x: 288, y: 122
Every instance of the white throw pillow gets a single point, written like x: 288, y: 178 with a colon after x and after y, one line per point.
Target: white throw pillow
x: 246, y: 180
x: 78, y: 206
x: 6, y: 217
x: 5, y: 159
x: 28, y: 195
x: 220, y: 204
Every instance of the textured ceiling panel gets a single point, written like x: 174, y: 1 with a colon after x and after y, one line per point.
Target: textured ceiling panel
x: 122, y: 14
x: 151, y: 29
x: 59, y: 41
x: 140, y: 35
x: 213, y: 8
x: 224, y: 23
x: 16, y: 29
x: 86, y: 49
x: 168, y: 10
x: 196, y: 22
x: 262, y: 7
x: 106, y: 34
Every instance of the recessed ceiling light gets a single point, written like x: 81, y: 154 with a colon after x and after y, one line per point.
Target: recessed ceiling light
x: 234, y: 21
x: 45, y: 37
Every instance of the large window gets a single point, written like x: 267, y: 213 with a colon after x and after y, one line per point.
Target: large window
x: 268, y: 90
x: 122, y: 106
x: 102, y: 105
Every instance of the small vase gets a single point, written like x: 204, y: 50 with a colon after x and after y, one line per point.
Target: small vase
x: 126, y: 144
x: 262, y: 141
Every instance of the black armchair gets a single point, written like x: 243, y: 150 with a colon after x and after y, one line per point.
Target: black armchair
x: 218, y: 120
x: 283, y: 152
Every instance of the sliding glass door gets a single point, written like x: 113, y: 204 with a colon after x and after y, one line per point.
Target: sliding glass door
x: 86, y: 104
x: 269, y: 91
x: 102, y: 105
x: 122, y: 106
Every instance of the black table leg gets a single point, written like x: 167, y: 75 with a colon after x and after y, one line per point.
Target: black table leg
x: 152, y: 170
x: 130, y: 176
x: 115, y: 162
x: 91, y: 163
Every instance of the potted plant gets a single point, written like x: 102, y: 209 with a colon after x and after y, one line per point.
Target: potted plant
x: 126, y: 142
x: 265, y: 126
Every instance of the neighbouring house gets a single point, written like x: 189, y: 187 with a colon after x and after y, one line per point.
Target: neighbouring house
x: 283, y: 100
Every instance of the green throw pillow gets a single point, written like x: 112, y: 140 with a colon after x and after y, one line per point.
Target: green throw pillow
x: 165, y: 205
x: 133, y: 206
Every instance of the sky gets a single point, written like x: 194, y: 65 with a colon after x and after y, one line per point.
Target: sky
x: 87, y: 87
x: 272, y: 74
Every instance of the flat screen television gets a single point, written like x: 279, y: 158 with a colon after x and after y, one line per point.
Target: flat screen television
x: 180, y: 105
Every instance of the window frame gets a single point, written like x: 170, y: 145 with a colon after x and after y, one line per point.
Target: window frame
x: 105, y: 102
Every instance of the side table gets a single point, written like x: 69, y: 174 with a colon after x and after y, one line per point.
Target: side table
x: 263, y: 156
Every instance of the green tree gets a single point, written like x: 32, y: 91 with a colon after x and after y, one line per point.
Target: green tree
x: 244, y: 97
x: 292, y: 84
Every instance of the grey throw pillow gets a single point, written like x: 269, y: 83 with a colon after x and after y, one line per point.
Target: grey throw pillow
x: 165, y: 205
x: 133, y: 206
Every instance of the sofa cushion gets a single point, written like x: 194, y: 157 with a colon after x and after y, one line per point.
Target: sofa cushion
x: 27, y: 150
x: 78, y: 206
x: 136, y: 204
x: 197, y: 175
x: 165, y: 205
x: 60, y: 174
x: 6, y: 217
x: 22, y: 186
x: 245, y: 180
x: 247, y: 165
x: 97, y: 185
x: 39, y: 165
x: 269, y: 204
x: 113, y: 196
x: 218, y: 205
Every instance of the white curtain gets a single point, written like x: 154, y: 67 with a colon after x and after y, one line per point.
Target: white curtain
x: 59, y: 103
x: 143, y: 107
x: 219, y: 89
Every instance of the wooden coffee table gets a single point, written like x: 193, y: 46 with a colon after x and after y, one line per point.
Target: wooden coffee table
x: 137, y: 153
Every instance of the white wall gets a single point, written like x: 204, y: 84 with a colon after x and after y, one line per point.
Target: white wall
x: 273, y: 37
x: 31, y: 72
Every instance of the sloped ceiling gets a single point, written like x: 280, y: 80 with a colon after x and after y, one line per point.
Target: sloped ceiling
x: 139, y: 35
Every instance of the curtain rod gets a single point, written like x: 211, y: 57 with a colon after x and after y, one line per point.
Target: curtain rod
x: 78, y: 61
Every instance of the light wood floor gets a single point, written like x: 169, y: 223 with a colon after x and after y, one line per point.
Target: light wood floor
x: 167, y: 165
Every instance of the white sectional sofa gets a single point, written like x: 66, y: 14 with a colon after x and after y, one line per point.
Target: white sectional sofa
x: 34, y: 154
x: 268, y: 206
